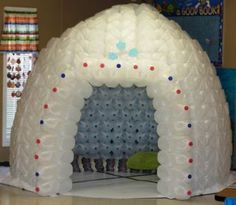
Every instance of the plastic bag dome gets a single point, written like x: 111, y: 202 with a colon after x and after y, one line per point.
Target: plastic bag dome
x: 125, y: 45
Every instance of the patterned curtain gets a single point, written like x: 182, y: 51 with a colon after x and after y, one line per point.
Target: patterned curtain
x: 20, y: 30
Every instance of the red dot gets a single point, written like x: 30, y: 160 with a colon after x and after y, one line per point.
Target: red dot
x: 36, y: 157
x: 85, y: 65
x: 102, y: 65
x: 178, y: 91
x: 54, y: 90
x: 152, y: 68
x: 38, y: 141
x: 190, y: 144
x: 135, y: 67
x: 186, y: 107
x: 189, y: 193
x: 37, y: 189
x: 45, y: 106
x: 190, y: 160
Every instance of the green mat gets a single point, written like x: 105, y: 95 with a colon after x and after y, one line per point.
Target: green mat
x: 143, y: 161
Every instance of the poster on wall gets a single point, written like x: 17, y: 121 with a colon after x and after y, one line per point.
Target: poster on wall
x: 17, y: 67
x: 202, y: 19
x: 189, y: 7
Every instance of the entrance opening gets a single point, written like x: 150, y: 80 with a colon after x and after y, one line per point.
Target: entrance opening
x: 115, y: 124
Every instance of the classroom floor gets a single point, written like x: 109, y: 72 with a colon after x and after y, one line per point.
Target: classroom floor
x: 14, y: 196
x: 114, y: 185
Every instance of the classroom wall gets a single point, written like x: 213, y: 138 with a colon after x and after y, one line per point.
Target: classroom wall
x: 229, y: 42
x: 75, y: 11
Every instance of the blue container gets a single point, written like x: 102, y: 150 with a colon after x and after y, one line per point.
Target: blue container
x: 230, y: 201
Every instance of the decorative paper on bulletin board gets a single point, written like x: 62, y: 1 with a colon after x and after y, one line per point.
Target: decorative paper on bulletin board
x: 202, y: 19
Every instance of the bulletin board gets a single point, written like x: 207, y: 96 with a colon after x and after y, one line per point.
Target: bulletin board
x: 202, y: 19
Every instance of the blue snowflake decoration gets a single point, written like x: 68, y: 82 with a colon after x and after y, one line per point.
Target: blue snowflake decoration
x: 121, y: 45
x: 112, y: 56
x: 133, y: 52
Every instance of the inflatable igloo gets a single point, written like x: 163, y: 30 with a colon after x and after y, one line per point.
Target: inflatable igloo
x: 124, y: 46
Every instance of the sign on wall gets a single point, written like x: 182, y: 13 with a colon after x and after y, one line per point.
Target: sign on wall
x: 202, y: 19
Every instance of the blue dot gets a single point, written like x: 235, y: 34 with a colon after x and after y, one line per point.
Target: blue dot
x: 36, y: 174
x: 190, y: 176
x: 170, y: 78
x: 41, y: 122
x: 189, y: 125
x: 112, y: 56
x: 118, y: 65
x: 63, y: 75
x: 133, y: 52
x: 121, y: 45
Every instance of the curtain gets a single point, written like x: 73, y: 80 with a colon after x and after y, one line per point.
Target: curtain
x: 20, y: 30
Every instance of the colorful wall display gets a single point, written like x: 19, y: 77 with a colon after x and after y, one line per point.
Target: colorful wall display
x: 17, y: 68
x: 20, y: 30
x: 189, y: 7
x: 202, y: 19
